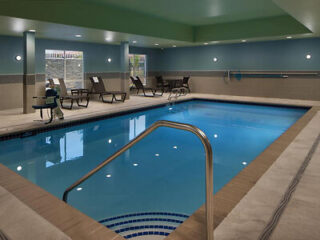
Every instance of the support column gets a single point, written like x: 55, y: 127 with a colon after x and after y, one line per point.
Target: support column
x: 29, y: 77
x: 124, y: 68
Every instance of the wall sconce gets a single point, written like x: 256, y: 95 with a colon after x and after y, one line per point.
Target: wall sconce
x: 18, y: 58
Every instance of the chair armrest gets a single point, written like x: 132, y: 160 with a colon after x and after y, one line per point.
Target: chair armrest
x: 79, y: 91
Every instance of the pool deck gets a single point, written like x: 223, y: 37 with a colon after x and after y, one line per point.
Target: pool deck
x: 227, y: 201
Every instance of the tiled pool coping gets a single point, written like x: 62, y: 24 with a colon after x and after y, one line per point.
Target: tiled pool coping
x: 193, y: 228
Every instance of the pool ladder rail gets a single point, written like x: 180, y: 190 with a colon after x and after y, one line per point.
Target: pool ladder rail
x: 182, y: 126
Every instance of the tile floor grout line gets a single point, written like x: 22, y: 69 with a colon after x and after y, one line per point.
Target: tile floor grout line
x: 268, y: 230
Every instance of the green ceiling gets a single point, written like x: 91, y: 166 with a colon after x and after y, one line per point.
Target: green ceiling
x: 187, y: 21
x: 200, y: 12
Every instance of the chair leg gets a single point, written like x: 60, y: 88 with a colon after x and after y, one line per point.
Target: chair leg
x: 83, y: 105
x: 51, y: 116
x: 64, y: 107
x: 106, y: 101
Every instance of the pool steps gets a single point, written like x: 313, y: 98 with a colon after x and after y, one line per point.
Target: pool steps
x: 157, y: 225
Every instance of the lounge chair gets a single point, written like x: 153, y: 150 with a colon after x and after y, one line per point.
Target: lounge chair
x: 139, y: 86
x: 76, y: 94
x: 50, y: 99
x: 161, y: 84
x: 99, y: 88
x: 185, y: 83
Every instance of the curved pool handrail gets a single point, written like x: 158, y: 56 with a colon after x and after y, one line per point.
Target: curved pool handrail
x: 182, y: 126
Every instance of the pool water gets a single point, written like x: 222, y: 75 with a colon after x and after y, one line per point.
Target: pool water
x: 165, y: 172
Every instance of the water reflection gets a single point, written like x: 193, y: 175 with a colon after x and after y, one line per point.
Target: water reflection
x: 70, y: 147
x: 136, y: 126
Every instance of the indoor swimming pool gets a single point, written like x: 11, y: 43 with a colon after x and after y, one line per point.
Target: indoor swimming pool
x: 160, y: 181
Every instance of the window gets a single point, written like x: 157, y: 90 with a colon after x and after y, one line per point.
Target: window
x: 138, y: 66
x: 67, y: 65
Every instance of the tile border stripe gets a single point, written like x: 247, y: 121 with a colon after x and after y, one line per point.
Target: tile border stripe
x: 268, y: 230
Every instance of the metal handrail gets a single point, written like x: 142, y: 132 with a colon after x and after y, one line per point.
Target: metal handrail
x: 182, y: 126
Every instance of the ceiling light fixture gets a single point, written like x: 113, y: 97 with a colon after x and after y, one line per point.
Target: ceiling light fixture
x: 109, y: 60
x: 308, y: 56
x: 215, y: 59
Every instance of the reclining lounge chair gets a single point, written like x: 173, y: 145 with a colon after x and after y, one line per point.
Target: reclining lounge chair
x: 139, y: 86
x: 99, y: 88
x: 76, y: 94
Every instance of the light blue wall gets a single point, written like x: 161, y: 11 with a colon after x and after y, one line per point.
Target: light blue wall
x: 95, y: 55
x: 153, y: 54
x: 272, y: 55
x: 10, y: 47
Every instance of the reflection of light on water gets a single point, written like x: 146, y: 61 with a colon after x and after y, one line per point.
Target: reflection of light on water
x: 215, y: 135
x: 108, y: 175
x: 135, y: 164
x: 244, y: 163
x: 79, y: 189
x: 170, y: 108
x: 110, y: 141
x: 157, y: 154
x: 175, y: 147
x: 19, y: 168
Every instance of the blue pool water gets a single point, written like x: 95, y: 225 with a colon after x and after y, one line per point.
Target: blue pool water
x: 164, y: 172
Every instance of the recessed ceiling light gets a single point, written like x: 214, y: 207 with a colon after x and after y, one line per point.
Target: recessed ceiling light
x: 32, y: 30
x: 135, y: 164
x: 157, y: 154
x: 174, y: 46
x: 289, y: 37
x: 78, y: 35
x: 308, y: 56
x: 206, y: 43
x: 215, y: 59
x: 170, y: 108
x: 18, y: 58
x: 134, y: 41
x: 215, y: 135
x: 243, y: 40
x: 157, y: 44
x: 109, y: 60
x: 79, y: 189
x: 110, y: 141
x: 19, y: 168
x: 108, y: 175
x: 175, y: 147
x: 244, y: 163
